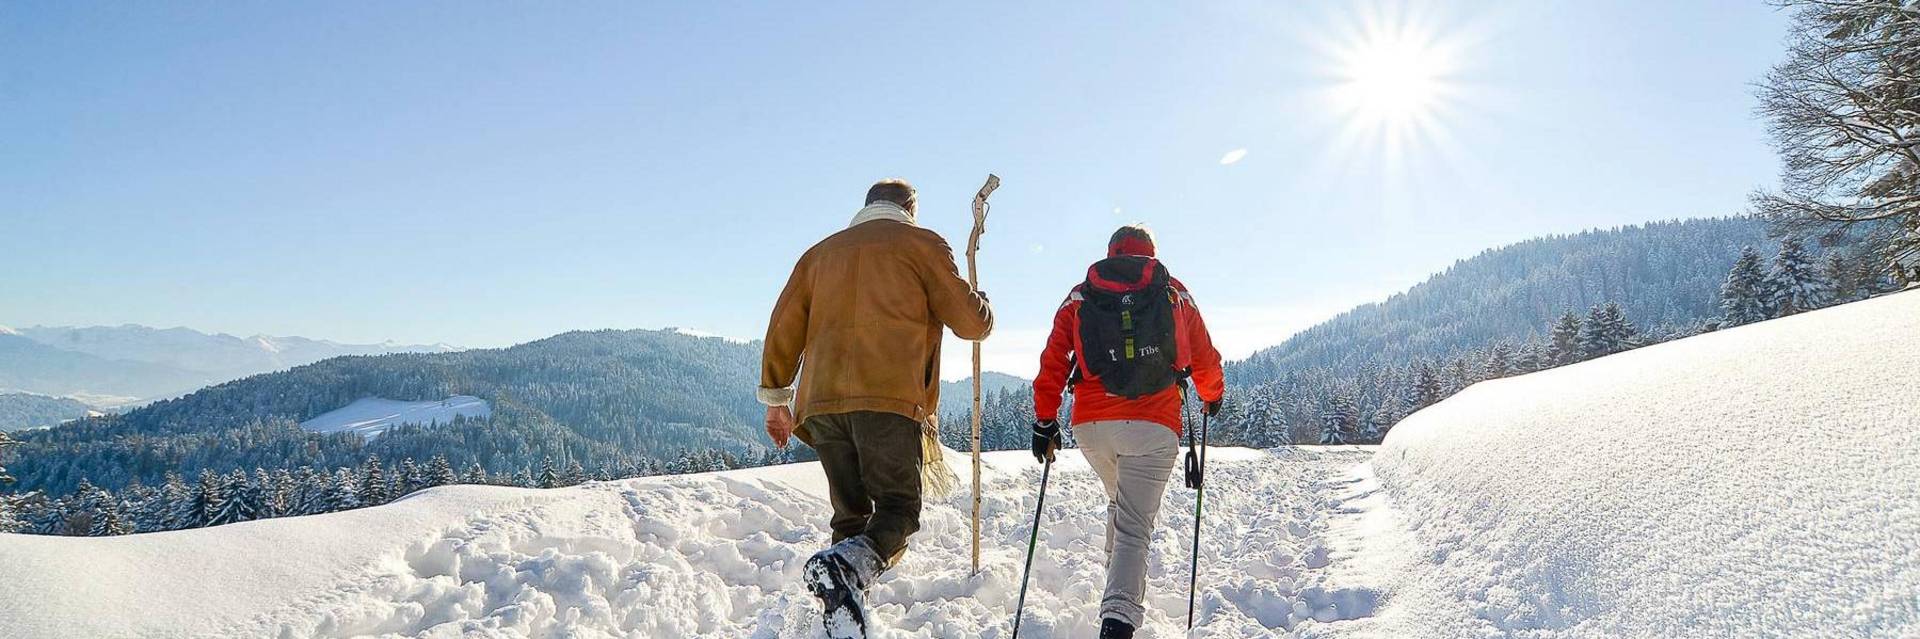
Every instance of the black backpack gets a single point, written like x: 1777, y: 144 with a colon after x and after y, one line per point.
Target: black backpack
x: 1126, y: 326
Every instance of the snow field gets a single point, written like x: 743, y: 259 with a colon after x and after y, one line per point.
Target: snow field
x: 371, y: 416
x: 1759, y: 481
x: 720, y: 554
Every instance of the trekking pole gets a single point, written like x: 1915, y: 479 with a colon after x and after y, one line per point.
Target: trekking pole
x: 1033, y: 539
x: 973, y: 279
x: 1197, y: 471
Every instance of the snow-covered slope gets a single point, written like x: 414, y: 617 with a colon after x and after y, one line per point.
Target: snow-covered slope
x: 713, y: 555
x: 371, y: 416
x: 1762, y: 481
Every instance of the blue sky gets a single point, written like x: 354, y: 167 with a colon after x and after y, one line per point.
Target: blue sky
x: 490, y: 173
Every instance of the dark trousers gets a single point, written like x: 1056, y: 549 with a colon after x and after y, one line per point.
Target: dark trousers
x: 872, y: 460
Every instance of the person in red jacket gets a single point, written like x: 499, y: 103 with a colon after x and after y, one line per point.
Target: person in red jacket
x: 1110, y: 348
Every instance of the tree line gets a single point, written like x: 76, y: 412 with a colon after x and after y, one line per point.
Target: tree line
x: 214, y: 499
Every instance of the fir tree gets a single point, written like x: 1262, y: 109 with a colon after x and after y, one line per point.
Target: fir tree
x: 440, y: 472
x: 409, y: 478
x: 1426, y: 387
x: 239, y: 501
x: 1499, y: 361
x: 549, y: 478
x: 475, y: 474
x: 1795, y: 284
x: 206, y: 501
x: 273, y: 494
x: 1383, y: 418
x: 1340, y: 423
x: 1459, y: 376
x: 373, y: 484
x: 575, y: 473
x: 305, y: 488
x: 1842, y: 279
x: 1594, y: 337
x: 342, y: 492
x: 1528, y: 359
x: 1621, y: 334
x: 109, y: 517
x: 163, y: 513
x: 1565, y: 347
x: 1743, y: 298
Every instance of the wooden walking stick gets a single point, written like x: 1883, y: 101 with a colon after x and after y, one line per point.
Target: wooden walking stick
x: 973, y: 279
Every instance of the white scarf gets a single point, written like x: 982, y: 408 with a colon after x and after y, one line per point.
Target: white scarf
x: 882, y: 210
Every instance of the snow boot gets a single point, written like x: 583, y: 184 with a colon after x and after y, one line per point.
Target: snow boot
x: 839, y: 576
x: 1111, y: 628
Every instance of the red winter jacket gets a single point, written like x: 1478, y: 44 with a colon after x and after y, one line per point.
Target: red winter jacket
x: 1092, y: 403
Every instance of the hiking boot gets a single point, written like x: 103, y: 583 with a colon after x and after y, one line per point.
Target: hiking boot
x: 1111, y: 628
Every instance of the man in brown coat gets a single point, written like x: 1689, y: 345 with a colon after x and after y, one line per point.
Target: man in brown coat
x: 864, y: 310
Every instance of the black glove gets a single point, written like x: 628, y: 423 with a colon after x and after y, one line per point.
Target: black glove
x: 1046, y: 439
x: 1212, y: 408
x: 1195, y: 474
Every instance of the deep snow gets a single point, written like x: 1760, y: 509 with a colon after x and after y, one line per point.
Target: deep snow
x: 712, y: 555
x: 371, y: 416
x: 1762, y: 481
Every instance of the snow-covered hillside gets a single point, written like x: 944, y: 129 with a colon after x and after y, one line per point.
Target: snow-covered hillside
x: 1762, y: 481
x: 371, y: 416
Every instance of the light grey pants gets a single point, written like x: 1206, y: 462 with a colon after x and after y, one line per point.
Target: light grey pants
x: 1134, y: 460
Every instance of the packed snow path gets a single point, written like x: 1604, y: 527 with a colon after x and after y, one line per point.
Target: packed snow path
x: 719, y: 555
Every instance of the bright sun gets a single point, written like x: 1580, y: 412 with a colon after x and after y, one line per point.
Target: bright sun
x: 1393, y: 77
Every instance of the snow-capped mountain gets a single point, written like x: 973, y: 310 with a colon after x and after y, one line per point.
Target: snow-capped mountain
x: 130, y: 362
x: 1750, y: 482
x: 219, y: 354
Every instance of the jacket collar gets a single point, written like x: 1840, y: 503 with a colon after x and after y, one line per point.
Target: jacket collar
x: 882, y: 211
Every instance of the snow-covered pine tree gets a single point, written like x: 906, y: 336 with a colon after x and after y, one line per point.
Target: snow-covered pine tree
x: 1743, y: 296
x: 440, y: 472
x: 1527, y: 360
x: 1459, y: 376
x: 373, y: 483
x: 409, y: 478
x: 1565, y: 347
x: 204, y: 502
x: 1384, y: 417
x: 523, y: 478
x: 273, y: 496
x: 549, y: 478
x: 1341, y: 422
x: 1621, y: 334
x: 1795, y: 284
x: 158, y: 511
x: 1499, y: 361
x: 1426, y: 387
x: 305, y: 488
x: 475, y: 475
x: 1842, y: 280
x: 342, y: 492
x: 1594, y: 336
x: 240, y: 501
x: 576, y: 474
x: 109, y: 516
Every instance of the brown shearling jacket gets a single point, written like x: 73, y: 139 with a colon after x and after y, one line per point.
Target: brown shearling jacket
x: 860, y: 323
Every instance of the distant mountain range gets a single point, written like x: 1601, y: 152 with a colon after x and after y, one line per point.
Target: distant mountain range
x: 115, y: 366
